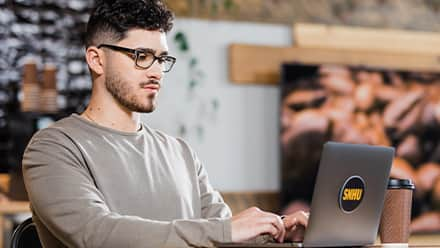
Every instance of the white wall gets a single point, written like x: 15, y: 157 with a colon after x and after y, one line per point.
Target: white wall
x: 240, y: 145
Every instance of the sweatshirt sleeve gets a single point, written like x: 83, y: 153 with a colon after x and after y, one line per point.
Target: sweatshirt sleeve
x: 67, y: 202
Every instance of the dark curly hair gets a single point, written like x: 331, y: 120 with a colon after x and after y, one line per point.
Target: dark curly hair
x: 111, y: 19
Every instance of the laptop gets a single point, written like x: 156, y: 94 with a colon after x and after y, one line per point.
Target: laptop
x: 348, y: 197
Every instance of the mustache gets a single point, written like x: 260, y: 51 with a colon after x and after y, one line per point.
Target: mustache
x: 155, y: 82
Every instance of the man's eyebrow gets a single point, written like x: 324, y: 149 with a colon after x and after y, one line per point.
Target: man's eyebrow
x: 152, y: 51
x: 145, y: 49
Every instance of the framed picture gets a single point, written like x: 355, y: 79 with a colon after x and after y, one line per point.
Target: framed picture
x: 331, y: 102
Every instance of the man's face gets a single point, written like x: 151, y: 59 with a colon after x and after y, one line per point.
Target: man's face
x: 134, y: 88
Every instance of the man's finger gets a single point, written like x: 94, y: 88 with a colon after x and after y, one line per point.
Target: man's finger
x: 274, y: 219
x: 296, y: 219
x: 298, y: 233
x: 268, y: 228
x: 302, y: 220
x: 280, y: 225
x: 276, y: 222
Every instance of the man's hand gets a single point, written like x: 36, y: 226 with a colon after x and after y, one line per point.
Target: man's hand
x: 253, y: 222
x: 295, y: 225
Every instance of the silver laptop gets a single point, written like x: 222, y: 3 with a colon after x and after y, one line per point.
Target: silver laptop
x: 347, y: 199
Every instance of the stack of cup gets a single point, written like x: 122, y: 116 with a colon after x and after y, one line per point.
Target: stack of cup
x: 30, y: 88
x: 49, y: 92
x: 396, y: 215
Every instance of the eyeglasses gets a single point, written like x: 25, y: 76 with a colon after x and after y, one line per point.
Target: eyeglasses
x: 145, y: 58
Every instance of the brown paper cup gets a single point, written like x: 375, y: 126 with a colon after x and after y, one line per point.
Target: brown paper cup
x: 396, y: 214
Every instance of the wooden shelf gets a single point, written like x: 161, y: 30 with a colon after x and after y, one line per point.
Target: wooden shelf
x: 255, y: 64
x: 4, y: 182
x: 14, y: 207
x: 366, y: 39
x: 239, y: 201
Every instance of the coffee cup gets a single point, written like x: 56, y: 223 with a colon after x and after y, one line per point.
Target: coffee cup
x: 396, y: 213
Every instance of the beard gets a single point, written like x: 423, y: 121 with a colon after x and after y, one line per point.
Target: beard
x: 125, y: 95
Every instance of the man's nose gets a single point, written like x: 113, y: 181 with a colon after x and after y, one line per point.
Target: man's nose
x: 155, y: 71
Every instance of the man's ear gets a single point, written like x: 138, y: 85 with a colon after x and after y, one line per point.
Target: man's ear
x: 95, y: 59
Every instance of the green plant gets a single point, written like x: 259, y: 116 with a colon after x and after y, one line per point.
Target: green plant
x: 205, y: 107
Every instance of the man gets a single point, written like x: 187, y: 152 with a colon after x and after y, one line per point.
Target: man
x: 103, y: 179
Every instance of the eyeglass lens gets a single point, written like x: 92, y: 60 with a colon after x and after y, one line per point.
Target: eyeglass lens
x: 145, y: 60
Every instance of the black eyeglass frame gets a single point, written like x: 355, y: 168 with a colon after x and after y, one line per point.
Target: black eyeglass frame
x: 136, y: 53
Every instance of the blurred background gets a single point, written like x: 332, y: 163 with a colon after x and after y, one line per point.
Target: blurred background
x: 248, y: 76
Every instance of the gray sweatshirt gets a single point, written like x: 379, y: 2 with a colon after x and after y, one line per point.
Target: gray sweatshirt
x: 92, y: 186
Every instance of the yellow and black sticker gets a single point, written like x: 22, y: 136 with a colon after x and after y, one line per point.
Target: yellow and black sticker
x: 351, y: 194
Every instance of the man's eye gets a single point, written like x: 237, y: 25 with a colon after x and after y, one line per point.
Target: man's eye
x: 162, y: 60
x: 142, y: 56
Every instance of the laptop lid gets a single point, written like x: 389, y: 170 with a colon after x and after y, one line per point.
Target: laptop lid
x: 348, y: 195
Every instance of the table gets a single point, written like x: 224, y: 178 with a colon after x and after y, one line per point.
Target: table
x: 8, y: 208
x: 415, y: 241
x: 285, y: 245
x: 425, y: 239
